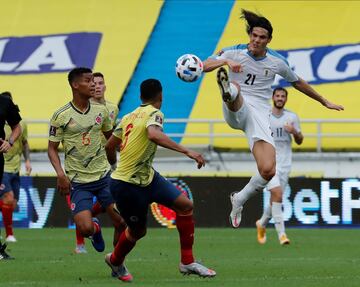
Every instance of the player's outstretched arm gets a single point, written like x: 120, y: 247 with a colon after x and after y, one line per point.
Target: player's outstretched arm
x: 63, y: 182
x: 110, y: 148
x: 156, y: 135
x: 212, y: 64
x: 305, y: 88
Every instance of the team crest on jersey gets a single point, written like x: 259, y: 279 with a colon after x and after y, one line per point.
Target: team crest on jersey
x: 266, y: 72
x: 98, y: 119
x: 166, y: 216
x: 158, y: 119
x: 112, y: 115
x: 2, y: 186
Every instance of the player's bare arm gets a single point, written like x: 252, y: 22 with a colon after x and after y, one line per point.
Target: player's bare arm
x: 63, y: 182
x: 305, y: 88
x: 212, y: 64
x: 298, y: 136
x: 156, y: 135
x: 111, y: 147
x: 26, y: 153
x: 15, y: 133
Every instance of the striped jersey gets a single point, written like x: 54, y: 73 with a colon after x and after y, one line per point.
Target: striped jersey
x: 282, y: 138
x: 81, y: 135
x: 258, y: 75
x: 137, y: 151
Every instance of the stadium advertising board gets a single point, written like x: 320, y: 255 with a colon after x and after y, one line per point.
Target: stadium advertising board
x: 48, y: 53
x: 308, y: 202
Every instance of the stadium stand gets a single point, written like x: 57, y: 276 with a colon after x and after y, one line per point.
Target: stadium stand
x: 327, y: 56
x: 179, y: 30
x: 114, y: 40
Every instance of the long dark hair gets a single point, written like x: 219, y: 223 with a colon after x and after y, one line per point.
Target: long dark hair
x: 254, y: 20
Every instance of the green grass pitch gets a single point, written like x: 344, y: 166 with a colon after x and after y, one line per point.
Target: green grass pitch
x: 316, y: 257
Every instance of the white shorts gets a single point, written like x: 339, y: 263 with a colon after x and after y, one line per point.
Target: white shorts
x: 281, y: 178
x: 255, y: 122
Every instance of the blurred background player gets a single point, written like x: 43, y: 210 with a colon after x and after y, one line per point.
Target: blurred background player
x: 98, y: 97
x: 135, y: 184
x: 284, y: 125
x: 11, y: 177
x: 79, y: 125
x: 9, y: 113
x: 246, y: 92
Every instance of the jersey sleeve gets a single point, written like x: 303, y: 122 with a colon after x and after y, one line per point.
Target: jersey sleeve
x: 296, y: 123
x: 118, y: 130
x: 286, y: 72
x: 223, y: 54
x: 156, y: 118
x: 56, y: 131
x: 13, y: 116
x: 107, y: 125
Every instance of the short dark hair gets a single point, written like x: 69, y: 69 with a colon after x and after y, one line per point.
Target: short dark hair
x: 255, y: 20
x: 280, y: 89
x: 6, y: 95
x: 98, y: 74
x: 150, y: 89
x: 76, y: 73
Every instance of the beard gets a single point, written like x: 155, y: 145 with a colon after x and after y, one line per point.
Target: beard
x: 279, y: 105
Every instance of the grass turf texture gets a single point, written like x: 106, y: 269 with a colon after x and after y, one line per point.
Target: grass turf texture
x: 316, y: 257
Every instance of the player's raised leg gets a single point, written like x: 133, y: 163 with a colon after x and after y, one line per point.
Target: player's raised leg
x: 230, y: 91
x: 264, y: 154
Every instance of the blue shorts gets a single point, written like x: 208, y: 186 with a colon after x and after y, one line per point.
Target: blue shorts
x: 133, y: 200
x: 11, y: 182
x: 82, y: 194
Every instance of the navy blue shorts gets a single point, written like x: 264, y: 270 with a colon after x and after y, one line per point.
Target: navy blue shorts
x: 11, y: 182
x: 133, y: 200
x: 82, y: 194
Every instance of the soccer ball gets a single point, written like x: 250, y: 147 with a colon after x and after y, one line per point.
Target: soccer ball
x: 189, y: 67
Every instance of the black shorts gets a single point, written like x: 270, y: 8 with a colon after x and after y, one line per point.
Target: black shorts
x: 133, y: 200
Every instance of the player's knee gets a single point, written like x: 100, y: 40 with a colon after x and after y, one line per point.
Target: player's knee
x: 86, y: 228
x: 267, y: 171
x: 186, y: 208
x: 8, y: 198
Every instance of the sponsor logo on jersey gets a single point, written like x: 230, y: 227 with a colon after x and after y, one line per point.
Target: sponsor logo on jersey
x: 52, y: 131
x: 158, y: 119
x: 166, y: 216
x: 48, y: 53
x: 325, y: 64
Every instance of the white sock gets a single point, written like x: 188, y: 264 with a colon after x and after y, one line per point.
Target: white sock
x: 233, y: 92
x: 277, y: 215
x: 256, y: 184
x: 265, y: 218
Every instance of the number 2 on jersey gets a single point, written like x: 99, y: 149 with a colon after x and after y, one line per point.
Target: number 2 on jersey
x: 128, y: 129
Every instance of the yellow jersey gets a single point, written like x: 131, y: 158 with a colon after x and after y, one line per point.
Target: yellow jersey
x: 137, y: 151
x: 81, y: 135
x: 13, y: 156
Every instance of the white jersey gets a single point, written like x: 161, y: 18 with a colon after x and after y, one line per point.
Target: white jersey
x: 258, y: 75
x: 282, y: 138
